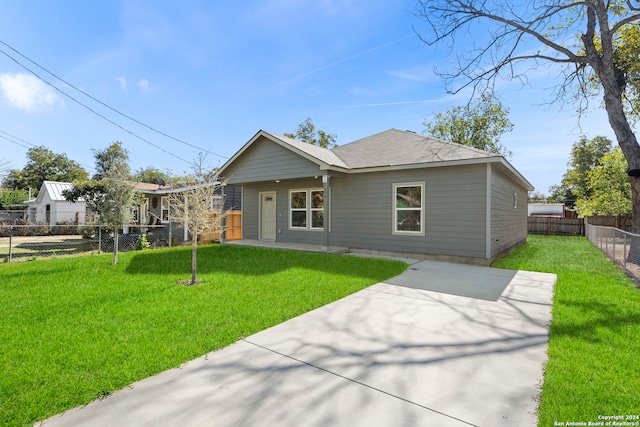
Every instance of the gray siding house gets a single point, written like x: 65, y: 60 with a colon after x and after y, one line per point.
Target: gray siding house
x: 393, y: 192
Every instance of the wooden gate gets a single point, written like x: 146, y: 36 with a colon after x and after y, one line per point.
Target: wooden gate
x: 233, y: 229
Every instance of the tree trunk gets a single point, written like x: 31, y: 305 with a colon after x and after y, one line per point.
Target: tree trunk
x: 194, y: 258
x: 115, y: 247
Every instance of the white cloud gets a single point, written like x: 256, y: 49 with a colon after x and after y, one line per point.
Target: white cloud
x: 418, y: 73
x: 143, y: 85
x: 123, y: 82
x: 28, y: 93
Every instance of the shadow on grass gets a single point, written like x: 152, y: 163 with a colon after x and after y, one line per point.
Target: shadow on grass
x: 258, y: 262
x: 593, y: 317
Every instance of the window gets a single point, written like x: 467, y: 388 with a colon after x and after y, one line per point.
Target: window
x: 306, y: 209
x: 164, y: 202
x: 408, y: 212
x: 217, y: 203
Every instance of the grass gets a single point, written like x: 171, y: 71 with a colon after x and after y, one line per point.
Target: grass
x: 76, y: 329
x: 594, y: 347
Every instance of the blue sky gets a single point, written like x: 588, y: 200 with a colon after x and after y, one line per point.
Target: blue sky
x: 214, y: 73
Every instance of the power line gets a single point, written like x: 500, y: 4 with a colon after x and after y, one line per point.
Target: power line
x: 15, y: 142
x: 16, y: 138
x: 12, y: 139
x: 92, y: 110
x: 101, y: 103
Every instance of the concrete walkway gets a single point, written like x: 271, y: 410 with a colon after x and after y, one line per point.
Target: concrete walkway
x: 440, y: 345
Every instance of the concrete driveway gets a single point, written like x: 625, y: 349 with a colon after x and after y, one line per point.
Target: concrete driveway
x: 440, y: 345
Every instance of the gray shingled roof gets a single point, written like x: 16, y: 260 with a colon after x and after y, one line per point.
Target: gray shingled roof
x: 397, y: 147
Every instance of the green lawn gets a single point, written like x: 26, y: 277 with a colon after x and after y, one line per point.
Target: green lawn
x: 594, y: 348
x: 75, y: 329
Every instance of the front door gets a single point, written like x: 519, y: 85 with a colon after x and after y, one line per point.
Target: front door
x: 268, y: 216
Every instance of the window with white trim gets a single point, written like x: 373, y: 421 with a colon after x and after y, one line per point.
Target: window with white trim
x: 408, y: 210
x: 306, y: 209
x: 164, y: 205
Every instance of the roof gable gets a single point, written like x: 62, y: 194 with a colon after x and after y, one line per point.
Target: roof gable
x: 54, y: 189
x: 323, y: 157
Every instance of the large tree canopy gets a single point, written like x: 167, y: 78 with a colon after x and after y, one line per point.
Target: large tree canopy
x: 307, y: 132
x: 44, y: 165
x: 479, y: 124
x: 609, y: 189
x: 589, y: 39
x: 585, y: 156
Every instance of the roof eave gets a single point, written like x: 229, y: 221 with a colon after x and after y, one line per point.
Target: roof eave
x: 461, y: 162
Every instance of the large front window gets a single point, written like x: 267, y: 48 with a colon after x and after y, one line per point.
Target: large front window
x: 306, y: 209
x: 408, y: 212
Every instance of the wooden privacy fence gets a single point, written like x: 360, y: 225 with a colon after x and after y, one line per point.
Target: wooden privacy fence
x: 233, y: 229
x: 556, y: 226
x: 622, y: 222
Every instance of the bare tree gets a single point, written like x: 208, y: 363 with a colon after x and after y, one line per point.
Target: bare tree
x: 195, y: 204
x: 583, y: 37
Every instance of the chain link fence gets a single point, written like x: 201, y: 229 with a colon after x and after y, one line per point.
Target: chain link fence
x: 29, y: 242
x: 621, y: 247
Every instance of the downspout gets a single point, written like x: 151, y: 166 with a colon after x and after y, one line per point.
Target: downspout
x: 327, y: 211
x: 488, y: 214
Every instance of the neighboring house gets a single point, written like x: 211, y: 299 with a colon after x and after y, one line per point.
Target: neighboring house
x: 155, y: 209
x: 50, y: 206
x: 393, y: 192
x: 554, y: 210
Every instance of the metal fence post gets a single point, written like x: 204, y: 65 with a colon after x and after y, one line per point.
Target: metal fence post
x: 99, y: 238
x: 11, y: 242
x: 615, y: 237
x: 624, y: 252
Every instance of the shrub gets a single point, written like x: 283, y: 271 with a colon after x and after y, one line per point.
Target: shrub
x: 142, y: 243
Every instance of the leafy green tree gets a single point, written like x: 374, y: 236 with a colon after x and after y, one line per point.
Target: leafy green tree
x: 120, y: 197
x: 111, y: 193
x: 536, y: 197
x: 307, y: 132
x: 150, y: 175
x: 12, y: 197
x: 585, y: 157
x: 626, y: 51
x: 114, y: 154
x: 609, y: 188
x: 44, y: 165
x: 479, y: 125
x: 588, y: 41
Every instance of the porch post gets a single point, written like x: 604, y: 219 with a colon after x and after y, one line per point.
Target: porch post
x: 327, y: 210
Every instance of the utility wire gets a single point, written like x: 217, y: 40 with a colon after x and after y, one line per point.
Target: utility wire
x: 15, y: 142
x: 13, y: 137
x: 101, y: 103
x: 90, y: 109
x: 106, y: 106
